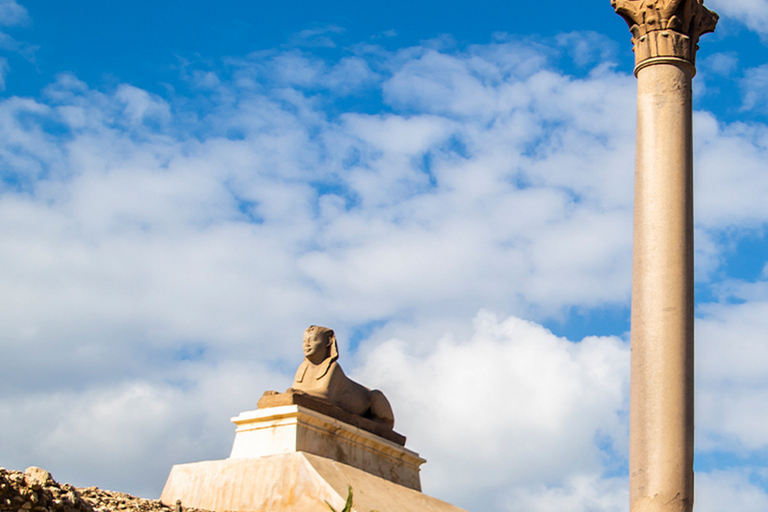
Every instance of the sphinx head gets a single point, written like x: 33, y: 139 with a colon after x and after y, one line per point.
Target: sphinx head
x: 320, y: 344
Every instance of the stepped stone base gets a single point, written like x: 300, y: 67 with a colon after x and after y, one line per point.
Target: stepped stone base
x: 290, y: 457
x: 289, y: 482
x: 293, y: 428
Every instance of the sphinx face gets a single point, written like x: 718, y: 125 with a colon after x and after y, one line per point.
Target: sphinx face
x: 315, y: 346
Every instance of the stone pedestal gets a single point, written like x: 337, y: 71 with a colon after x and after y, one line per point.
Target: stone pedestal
x: 293, y: 428
x: 291, y: 458
x: 289, y: 482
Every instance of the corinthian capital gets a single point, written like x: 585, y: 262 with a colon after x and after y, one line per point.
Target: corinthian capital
x: 666, y: 28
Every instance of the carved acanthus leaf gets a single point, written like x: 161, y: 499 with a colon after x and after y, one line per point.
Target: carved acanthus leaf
x: 687, y: 19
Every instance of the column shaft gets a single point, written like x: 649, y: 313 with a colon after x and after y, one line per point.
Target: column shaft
x: 661, y: 403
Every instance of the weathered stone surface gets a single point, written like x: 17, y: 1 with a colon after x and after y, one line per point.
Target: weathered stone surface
x: 290, y: 482
x: 293, y: 428
x: 664, y: 29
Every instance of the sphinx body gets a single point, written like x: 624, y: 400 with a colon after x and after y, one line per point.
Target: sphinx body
x: 321, y: 376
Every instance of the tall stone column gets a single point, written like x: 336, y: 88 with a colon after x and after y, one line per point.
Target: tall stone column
x: 665, y: 35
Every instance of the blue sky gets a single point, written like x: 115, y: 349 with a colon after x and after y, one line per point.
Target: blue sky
x: 185, y: 187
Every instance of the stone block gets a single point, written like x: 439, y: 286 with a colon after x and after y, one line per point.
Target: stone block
x: 293, y: 428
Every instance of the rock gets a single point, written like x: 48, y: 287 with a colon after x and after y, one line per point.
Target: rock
x: 37, y: 477
x: 35, y: 490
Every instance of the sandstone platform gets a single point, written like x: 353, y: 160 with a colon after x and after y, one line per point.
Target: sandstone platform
x: 290, y: 482
x: 290, y: 457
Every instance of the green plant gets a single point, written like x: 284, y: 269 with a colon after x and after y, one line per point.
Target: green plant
x: 347, y: 505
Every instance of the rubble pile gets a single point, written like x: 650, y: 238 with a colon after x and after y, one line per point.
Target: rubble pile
x: 35, y: 490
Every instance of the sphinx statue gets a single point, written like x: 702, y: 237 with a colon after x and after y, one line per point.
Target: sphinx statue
x: 320, y: 375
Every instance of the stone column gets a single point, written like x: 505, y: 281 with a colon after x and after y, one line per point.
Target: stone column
x: 665, y: 35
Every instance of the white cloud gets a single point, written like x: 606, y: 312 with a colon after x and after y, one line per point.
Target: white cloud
x: 11, y: 13
x: 731, y: 177
x: 512, y: 406
x: 723, y: 491
x: 317, y: 37
x: 753, y: 13
x: 754, y: 86
x: 126, y: 436
x: 581, y: 493
x: 733, y: 384
x: 302, y: 70
x: 723, y: 63
x: 140, y: 105
x: 205, y: 79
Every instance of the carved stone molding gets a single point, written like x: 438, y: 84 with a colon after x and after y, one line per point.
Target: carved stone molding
x: 665, y: 29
